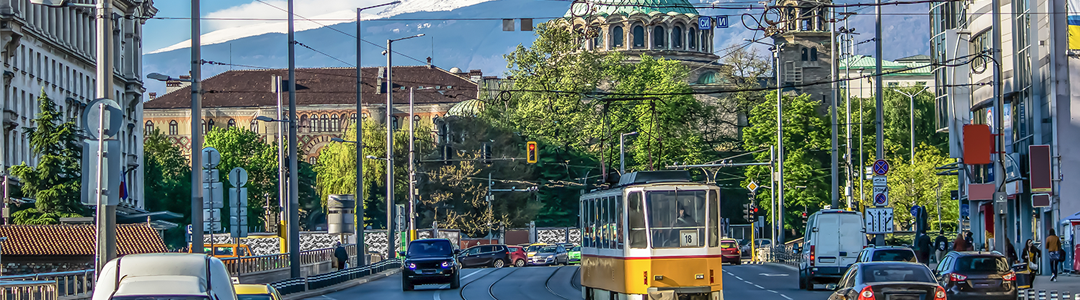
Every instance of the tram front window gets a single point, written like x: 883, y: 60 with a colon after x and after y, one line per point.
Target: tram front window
x: 676, y: 218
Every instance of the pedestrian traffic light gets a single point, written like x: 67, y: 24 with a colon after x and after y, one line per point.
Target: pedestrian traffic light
x: 531, y: 155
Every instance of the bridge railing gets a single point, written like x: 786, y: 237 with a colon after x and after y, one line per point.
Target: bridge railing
x: 64, y: 284
x: 785, y: 254
x: 296, y: 285
x: 30, y: 290
x: 279, y: 261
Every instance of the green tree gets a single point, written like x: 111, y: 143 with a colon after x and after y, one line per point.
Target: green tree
x: 919, y: 184
x: 167, y: 174
x: 806, y: 141
x: 54, y: 183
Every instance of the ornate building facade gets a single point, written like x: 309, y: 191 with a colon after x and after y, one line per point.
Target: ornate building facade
x: 805, y: 47
x: 52, y: 51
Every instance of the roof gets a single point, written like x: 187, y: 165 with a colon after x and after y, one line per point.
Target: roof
x: 253, y: 88
x: 915, y: 58
x: 467, y: 108
x: 628, y: 7
x: 868, y: 62
x: 77, y: 239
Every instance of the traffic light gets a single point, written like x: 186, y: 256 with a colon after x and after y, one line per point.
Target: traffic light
x: 748, y: 212
x: 531, y: 155
x: 487, y: 153
x: 804, y: 217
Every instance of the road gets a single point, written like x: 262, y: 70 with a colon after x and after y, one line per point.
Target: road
x: 758, y: 282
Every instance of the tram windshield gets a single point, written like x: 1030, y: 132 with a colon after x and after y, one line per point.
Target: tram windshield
x: 676, y: 218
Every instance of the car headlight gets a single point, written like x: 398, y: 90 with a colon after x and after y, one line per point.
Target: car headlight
x: 446, y: 264
x: 412, y: 266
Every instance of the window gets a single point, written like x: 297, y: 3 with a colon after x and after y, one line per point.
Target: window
x: 639, y: 36
x: 893, y: 84
x: 231, y: 124
x: 676, y: 218
x: 691, y: 39
x: 636, y: 220
x: 210, y: 125
x: 980, y: 44
x: 714, y: 218
x: 354, y: 118
x: 813, y: 54
x: 203, y: 126
x: 705, y: 41
x: 619, y: 223
x: 334, y: 124
x: 586, y: 223
x: 173, y: 127
x: 659, y: 39
x: 303, y: 123
x: 602, y: 208
x: 805, y: 54
x: 896, y: 272
x: 676, y: 37
x: 149, y: 127
x: 325, y: 126
x: 598, y: 40
x: 617, y: 37
x: 254, y: 126
x: 395, y: 123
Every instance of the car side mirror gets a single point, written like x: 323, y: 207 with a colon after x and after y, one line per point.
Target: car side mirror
x: 831, y: 286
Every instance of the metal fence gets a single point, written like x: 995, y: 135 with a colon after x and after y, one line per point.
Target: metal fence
x: 1031, y: 294
x: 30, y: 290
x: 295, y: 285
x: 63, y: 284
x: 271, y: 262
x: 784, y: 254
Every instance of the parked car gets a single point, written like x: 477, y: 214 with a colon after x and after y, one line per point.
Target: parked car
x: 575, y: 255
x: 517, y: 256
x: 976, y: 275
x: 256, y: 292
x: 744, y: 249
x: 831, y: 244
x: 496, y: 256
x: 164, y: 276
x: 430, y: 261
x: 887, y: 253
x: 550, y: 255
x: 887, y: 281
x: 729, y: 249
x: 531, y: 249
x: 227, y: 250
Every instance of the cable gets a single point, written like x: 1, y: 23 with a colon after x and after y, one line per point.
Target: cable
x: 324, y: 53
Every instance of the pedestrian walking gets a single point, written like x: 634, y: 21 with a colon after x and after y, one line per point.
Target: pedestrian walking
x: 922, y: 243
x: 1053, y: 250
x: 341, y: 256
x: 1031, y: 255
x: 941, y: 246
x: 970, y: 241
x: 960, y: 244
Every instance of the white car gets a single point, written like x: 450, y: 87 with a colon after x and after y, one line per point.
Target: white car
x: 164, y: 276
x: 831, y: 244
x: 760, y: 243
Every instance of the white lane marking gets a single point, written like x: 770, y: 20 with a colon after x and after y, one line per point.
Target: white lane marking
x: 739, y: 278
x: 785, y: 297
x: 758, y: 286
x: 773, y: 274
x: 772, y: 291
x: 470, y: 274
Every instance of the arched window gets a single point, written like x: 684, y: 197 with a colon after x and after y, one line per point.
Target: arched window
x: 434, y: 119
x: 691, y: 39
x: 598, y: 40
x: 334, y: 123
x: 639, y: 36
x: 325, y: 126
x: 210, y: 125
x: 813, y: 54
x: 617, y: 37
x: 173, y: 127
x: 313, y: 160
x: 354, y: 118
x: 805, y: 54
x: 676, y: 37
x: 705, y: 41
x: 659, y: 38
x: 304, y: 124
x: 231, y: 124
x: 149, y: 127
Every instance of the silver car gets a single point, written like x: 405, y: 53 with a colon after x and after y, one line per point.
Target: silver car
x: 550, y: 255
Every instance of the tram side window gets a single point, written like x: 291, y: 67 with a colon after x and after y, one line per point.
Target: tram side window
x: 676, y: 218
x: 603, y: 223
x: 592, y: 222
x: 611, y: 222
x: 584, y: 222
x: 636, y: 216
x: 619, y: 223
x: 714, y: 219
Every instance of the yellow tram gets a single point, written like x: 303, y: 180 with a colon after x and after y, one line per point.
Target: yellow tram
x: 654, y: 236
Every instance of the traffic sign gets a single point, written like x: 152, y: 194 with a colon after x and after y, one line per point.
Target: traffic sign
x: 721, y: 22
x: 752, y: 186
x: 210, y: 157
x: 881, y: 199
x: 113, y: 118
x: 879, y: 220
x: 881, y: 180
x: 211, y: 215
x: 704, y: 23
x: 881, y: 167
x: 238, y: 177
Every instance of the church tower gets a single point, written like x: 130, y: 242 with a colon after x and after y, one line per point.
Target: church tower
x: 805, y: 47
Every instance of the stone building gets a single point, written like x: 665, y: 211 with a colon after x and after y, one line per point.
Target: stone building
x: 805, y: 47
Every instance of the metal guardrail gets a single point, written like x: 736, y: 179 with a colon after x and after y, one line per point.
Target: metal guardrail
x: 785, y: 254
x: 64, y: 284
x: 30, y: 290
x: 278, y: 261
x: 1032, y: 294
x: 296, y: 285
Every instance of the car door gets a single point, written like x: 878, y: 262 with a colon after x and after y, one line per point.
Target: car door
x: 561, y: 255
x: 487, y: 255
x: 844, y: 286
x: 470, y: 256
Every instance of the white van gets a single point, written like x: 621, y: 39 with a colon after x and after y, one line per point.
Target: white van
x: 164, y: 276
x: 832, y: 242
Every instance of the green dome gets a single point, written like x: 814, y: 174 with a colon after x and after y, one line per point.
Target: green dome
x: 467, y: 108
x: 628, y: 7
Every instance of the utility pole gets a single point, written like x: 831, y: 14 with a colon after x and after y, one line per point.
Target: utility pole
x: 1001, y: 236
x: 412, y: 170
x: 879, y: 97
x: 196, y: 117
x: 835, y: 191
x: 911, y: 99
x: 779, y: 140
x: 283, y: 188
x: 294, y: 197
x: 772, y: 192
x: 847, y: 105
x: 391, y: 252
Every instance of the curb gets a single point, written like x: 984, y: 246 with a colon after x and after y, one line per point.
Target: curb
x: 340, y: 286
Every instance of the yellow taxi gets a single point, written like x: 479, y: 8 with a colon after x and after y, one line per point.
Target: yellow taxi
x: 256, y: 292
x: 532, y: 248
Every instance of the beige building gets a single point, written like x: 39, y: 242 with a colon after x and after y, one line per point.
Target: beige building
x: 325, y: 97
x: 904, y: 72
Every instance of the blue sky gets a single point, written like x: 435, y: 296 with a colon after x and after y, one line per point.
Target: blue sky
x: 161, y: 33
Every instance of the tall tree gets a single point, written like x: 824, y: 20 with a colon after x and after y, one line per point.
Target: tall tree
x: 167, y: 174
x: 54, y: 183
x: 918, y: 184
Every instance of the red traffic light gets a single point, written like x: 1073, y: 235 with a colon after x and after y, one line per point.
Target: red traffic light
x: 804, y: 214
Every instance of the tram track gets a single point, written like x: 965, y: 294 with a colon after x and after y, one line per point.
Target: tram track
x: 491, y: 291
x: 461, y: 290
x: 547, y: 283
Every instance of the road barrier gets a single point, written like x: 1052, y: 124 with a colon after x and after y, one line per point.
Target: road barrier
x: 785, y: 255
x: 1032, y: 294
x: 30, y: 290
x: 70, y: 284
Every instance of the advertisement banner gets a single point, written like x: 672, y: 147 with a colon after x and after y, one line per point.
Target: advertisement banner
x: 1073, y: 8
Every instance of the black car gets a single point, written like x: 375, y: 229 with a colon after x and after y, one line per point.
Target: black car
x: 887, y: 253
x: 430, y: 261
x: 887, y: 281
x: 976, y: 275
x: 496, y: 256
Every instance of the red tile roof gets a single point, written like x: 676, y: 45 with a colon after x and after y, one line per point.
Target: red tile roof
x: 252, y: 88
x: 76, y: 239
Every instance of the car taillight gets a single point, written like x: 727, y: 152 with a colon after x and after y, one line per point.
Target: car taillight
x: 812, y: 256
x: 1009, y: 277
x: 939, y: 294
x: 957, y: 277
x: 866, y: 293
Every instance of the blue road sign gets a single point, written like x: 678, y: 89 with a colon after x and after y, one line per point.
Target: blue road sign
x: 915, y: 211
x: 721, y: 22
x: 965, y: 210
x: 881, y: 167
x: 704, y: 23
x: 881, y: 199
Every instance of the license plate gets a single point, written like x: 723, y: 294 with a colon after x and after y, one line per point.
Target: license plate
x: 902, y: 297
x: 984, y: 285
x: 428, y: 271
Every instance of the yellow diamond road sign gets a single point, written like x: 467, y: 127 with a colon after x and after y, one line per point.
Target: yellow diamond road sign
x: 752, y: 186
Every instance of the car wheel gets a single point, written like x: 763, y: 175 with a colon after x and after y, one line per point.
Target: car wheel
x: 406, y: 285
x: 802, y: 281
x: 455, y: 282
x: 519, y: 263
x: 498, y: 263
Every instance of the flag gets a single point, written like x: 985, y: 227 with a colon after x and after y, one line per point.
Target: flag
x: 123, y: 188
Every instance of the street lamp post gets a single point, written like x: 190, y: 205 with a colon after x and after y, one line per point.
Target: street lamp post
x: 359, y: 209
x: 911, y: 98
x: 390, y: 253
x: 622, y: 151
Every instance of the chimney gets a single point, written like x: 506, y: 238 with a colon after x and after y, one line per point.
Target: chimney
x: 173, y: 85
x: 153, y: 95
x: 429, y: 62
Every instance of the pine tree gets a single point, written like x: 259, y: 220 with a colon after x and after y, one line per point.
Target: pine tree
x: 55, y: 182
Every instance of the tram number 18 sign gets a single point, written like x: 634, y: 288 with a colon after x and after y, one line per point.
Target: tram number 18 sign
x: 688, y: 238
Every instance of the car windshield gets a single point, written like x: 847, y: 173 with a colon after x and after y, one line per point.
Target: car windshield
x: 430, y: 248
x: 982, y: 264
x: 677, y: 218
x: 534, y: 248
x: 253, y: 297
x: 577, y: 248
x: 727, y: 244
x: 219, y: 250
x: 893, y: 255
x: 547, y: 250
x: 896, y: 272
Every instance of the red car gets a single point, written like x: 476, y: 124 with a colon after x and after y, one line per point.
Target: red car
x: 729, y: 249
x: 517, y: 255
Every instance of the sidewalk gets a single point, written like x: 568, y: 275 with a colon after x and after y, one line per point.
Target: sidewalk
x: 1065, y: 283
